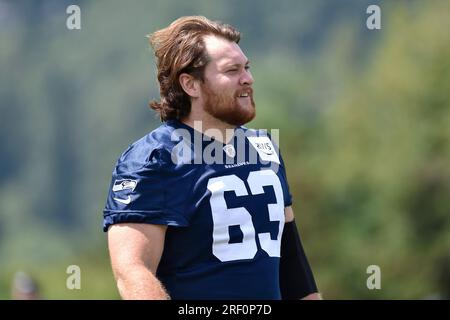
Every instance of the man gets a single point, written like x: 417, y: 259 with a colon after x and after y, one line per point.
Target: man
x: 181, y: 226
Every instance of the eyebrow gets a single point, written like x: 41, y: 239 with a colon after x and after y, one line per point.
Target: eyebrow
x: 237, y: 64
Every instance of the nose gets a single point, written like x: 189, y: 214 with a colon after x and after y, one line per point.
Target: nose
x: 246, y: 78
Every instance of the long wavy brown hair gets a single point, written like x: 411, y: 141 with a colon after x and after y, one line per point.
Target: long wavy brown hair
x: 179, y: 48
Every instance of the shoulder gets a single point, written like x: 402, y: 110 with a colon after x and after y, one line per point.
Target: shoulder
x: 260, y: 134
x: 153, y: 149
x: 262, y: 138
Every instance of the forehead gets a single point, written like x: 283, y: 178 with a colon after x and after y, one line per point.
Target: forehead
x: 223, y: 51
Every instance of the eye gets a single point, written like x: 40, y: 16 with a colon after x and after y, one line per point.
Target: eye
x: 247, y: 67
x: 231, y: 70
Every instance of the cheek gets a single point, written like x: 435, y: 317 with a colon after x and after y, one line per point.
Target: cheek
x: 221, y: 85
x: 224, y: 83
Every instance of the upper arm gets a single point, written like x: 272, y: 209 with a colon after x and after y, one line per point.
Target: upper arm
x: 132, y: 244
x: 288, y: 214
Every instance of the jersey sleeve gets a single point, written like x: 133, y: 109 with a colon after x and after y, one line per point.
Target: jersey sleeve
x: 285, y: 184
x: 139, y: 191
x: 287, y: 196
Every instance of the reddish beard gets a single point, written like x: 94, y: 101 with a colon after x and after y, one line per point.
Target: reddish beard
x: 228, y: 108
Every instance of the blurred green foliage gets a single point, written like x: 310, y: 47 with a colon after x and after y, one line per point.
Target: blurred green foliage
x: 364, y: 119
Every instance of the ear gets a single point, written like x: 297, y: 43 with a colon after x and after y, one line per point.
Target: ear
x: 190, y: 85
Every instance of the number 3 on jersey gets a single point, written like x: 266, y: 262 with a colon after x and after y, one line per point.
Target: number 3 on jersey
x: 224, y: 217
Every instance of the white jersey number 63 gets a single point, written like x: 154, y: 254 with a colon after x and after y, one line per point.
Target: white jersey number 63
x: 224, y: 217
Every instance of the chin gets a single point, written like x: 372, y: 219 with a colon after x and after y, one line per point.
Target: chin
x: 245, y: 115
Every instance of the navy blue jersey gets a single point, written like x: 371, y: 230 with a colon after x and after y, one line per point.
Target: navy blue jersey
x: 225, y: 217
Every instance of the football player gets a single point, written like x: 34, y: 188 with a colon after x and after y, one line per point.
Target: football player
x: 200, y: 207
